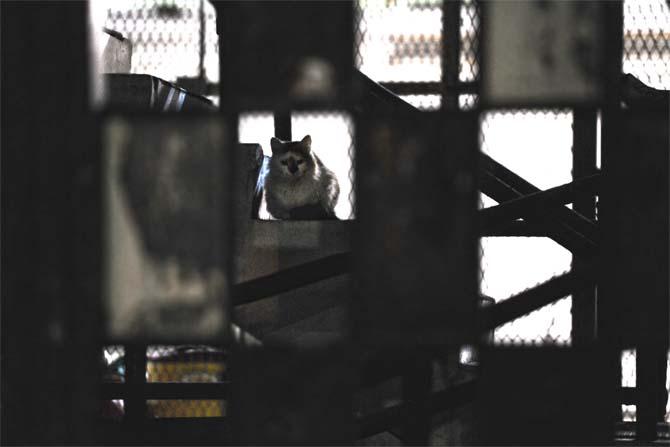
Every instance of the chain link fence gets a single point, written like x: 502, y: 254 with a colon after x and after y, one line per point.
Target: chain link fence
x: 169, y: 364
x: 171, y: 39
x: 185, y: 364
x: 332, y: 139
x: 113, y: 371
x: 537, y: 146
x: 629, y: 380
x: 646, y: 55
x: 392, y: 48
x: 399, y: 41
x: 646, y: 41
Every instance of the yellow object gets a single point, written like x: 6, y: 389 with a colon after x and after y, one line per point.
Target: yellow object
x: 185, y: 371
x: 187, y: 408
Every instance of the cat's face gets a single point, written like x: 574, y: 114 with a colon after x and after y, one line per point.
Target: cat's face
x: 293, y: 159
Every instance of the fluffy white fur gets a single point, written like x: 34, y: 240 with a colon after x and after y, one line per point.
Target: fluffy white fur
x: 298, y: 178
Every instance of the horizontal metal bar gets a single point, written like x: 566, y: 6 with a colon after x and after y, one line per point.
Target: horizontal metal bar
x: 565, y: 226
x: 165, y: 390
x: 291, y: 278
x: 573, y: 231
x: 414, y: 88
x: 516, y: 228
x: 428, y: 88
x: 214, y: 431
x: 564, y: 235
x: 628, y: 395
x: 536, y: 203
x: 533, y: 299
x: 518, y: 187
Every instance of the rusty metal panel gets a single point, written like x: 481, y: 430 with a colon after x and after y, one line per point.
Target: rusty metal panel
x: 167, y: 227
x: 416, y: 254
x: 543, y: 52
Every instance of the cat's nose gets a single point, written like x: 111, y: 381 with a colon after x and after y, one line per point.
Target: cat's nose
x: 293, y: 169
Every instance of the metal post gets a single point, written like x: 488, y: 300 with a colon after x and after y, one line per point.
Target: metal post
x: 282, y: 120
x: 136, y: 367
x: 649, y: 389
x: 583, y: 164
x: 201, y: 66
x: 417, y: 381
x: 451, y: 49
x: 607, y: 303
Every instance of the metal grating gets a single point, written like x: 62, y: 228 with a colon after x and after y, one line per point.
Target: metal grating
x: 400, y: 40
x: 469, y: 58
x: 519, y: 140
x: 186, y: 364
x: 185, y: 408
x: 166, y: 36
x: 114, y: 367
x: 332, y: 141
x: 646, y: 52
x: 160, y: 39
x: 257, y: 127
x: 646, y: 55
x: 629, y: 379
x: 169, y: 364
x: 113, y: 371
x: 424, y: 102
x: 468, y: 101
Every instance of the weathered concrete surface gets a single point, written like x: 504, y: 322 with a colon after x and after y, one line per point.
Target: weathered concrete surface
x: 301, y: 317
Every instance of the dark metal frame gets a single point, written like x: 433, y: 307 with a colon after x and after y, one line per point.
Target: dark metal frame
x: 543, y: 213
x: 68, y: 345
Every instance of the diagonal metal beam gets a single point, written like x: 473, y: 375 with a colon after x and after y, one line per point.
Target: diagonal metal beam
x: 573, y: 231
x: 534, y: 298
x: 519, y: 187
x: 536, y: 204
x: 291, y: 278
x: 519, y: 228
x: 567, y: 227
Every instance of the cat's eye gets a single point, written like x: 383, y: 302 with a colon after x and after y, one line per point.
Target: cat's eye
x: 300, y: 162
x: 284, y: 162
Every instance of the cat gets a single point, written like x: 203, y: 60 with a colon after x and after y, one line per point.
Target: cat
x: 298, y: 184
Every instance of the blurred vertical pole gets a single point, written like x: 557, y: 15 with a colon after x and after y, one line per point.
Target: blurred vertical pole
x: 269, y: 54
x: 609, y: 335
x: 451, y: 48
x: 136, y: 370
x: 49, y: 314
x: 648, y: 386
x: 282, y: 121
x: 583, y: 163
x: 201, y: 65
x: 416, y: 388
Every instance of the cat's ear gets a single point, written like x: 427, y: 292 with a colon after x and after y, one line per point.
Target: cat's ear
x: 275, y: 144
x: 307, y: 142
